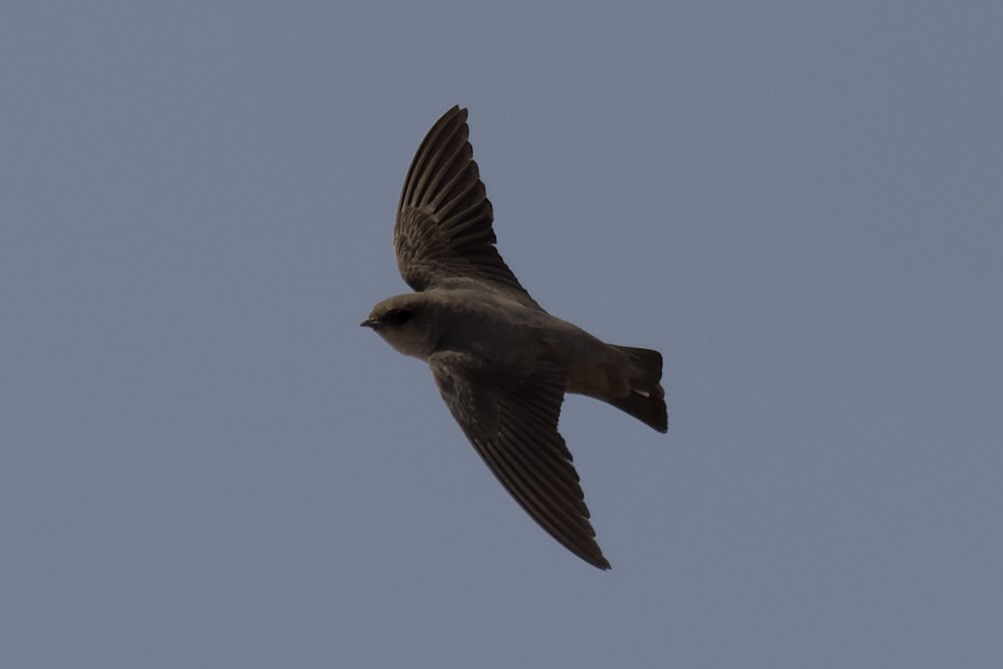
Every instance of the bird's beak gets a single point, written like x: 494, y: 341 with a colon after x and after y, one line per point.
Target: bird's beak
x: 373, y: 323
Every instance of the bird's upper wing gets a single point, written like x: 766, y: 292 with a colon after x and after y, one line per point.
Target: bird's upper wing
x: 511, y: 419
x: 443, y: 233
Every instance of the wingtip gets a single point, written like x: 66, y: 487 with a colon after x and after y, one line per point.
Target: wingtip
x: 456, y: 110
x: 596, y: 559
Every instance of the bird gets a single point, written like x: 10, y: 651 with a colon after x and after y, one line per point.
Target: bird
x: 501, y: 362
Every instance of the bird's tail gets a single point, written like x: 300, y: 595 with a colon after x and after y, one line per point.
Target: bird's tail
x: 646, y: 400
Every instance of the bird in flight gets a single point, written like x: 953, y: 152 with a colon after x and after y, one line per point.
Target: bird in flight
x: 501, y: 362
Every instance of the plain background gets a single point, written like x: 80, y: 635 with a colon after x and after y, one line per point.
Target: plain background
x: 205, y: 462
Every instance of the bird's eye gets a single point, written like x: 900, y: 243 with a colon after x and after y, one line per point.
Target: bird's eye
x: 399, y: 316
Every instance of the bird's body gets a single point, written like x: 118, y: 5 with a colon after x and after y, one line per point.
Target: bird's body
x: 502, y: 363
x: 473, y: 321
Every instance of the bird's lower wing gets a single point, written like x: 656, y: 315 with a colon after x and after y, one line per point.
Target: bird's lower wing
x: 511, y: 419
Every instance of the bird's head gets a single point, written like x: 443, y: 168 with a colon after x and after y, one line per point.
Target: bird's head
x: 402, y: 322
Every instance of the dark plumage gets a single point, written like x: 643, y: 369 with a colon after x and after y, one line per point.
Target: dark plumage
x: 501, y: 362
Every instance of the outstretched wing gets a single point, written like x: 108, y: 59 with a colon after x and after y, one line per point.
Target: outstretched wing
x: 511, y: 419
x: 443, y: 233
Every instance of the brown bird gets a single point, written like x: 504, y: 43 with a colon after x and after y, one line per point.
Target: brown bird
x: 501, y: 362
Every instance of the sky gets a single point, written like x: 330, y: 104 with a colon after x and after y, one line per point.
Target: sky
x: 206, y: 462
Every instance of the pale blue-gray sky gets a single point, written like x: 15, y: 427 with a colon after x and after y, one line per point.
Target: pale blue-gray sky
x: 205, y: 462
